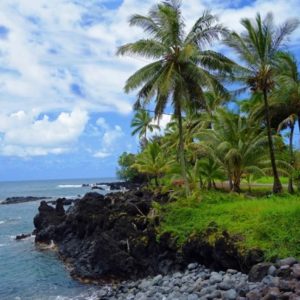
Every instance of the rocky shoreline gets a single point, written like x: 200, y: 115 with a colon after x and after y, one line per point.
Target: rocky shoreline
x: 200, y: 283
x: 101, y: 186
x: 113, y: 238
x: 16, y: 200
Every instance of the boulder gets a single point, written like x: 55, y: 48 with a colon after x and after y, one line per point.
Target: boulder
x: 259, y: 271
x: 287, y: 261
x: 23, y: 236
x: 296, y: 271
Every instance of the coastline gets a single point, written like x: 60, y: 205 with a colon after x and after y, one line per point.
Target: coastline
x: 126, y: 269
x: 174, y: 278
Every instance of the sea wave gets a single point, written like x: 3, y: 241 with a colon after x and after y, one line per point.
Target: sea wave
x: 67, y: 186
x: 2, y: 222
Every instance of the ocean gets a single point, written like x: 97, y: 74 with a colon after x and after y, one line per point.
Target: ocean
x: 27, y: 273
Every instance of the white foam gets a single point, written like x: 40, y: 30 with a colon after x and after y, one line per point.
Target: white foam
x: 67, y: 186
x: 2, y: 245
x: 2, y: 222
x: 85, y: 295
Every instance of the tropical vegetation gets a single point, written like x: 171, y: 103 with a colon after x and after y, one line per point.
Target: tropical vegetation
x: 228, y: 154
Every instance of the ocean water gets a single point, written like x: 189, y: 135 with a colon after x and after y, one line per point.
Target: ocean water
x: 27, y: 273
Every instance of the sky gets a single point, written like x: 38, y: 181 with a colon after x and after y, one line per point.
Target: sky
x: 63, y: 112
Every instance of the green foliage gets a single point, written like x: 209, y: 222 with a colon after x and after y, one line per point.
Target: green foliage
x: 212, y: 143
x: 142, y: 123
x: 235, y: 143
x: 253, y: 219
x: 182, y: 68
x: 258, y: 48
x: 126, y: 170
x: 153, y: 162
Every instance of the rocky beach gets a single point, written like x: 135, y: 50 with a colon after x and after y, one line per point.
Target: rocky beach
x: 200, y: 283
x: 112, y: 241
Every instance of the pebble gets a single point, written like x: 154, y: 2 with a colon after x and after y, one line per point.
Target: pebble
x: 199, y: 283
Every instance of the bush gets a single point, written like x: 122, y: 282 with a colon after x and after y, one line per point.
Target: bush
x: 126, y: 171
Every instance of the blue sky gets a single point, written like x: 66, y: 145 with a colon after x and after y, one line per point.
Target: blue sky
x: 63, y: 113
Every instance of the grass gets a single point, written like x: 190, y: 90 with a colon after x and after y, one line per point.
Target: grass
x: 267, y: 180
x: 269, y: 223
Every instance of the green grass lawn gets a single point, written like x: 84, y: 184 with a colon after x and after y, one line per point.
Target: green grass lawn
x: 268, y: 180
x: 271, y: 224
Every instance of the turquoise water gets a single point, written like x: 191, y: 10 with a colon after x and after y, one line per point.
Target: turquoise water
x: 26, y: 272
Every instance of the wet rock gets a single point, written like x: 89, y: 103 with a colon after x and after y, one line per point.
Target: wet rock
x: 287, y: 261
x: 23, y: 236
x: 272, y: 294
x: 272, y: 270
x: 157, y: 280
x: 284, y: 271
x: 230, y: 295
x: 226, y: 284
x: 296, y: 271
x: 259, y: 271
x: 192, y: 266
x: 16, y: 200
x: 215, y: 278
x: 253, y: 295
x: 64, y: 201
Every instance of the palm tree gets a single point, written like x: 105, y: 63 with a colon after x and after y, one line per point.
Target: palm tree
x: 287, y: 93
x: 142, y: 123
x: 290, y: 121
x: 237, y: 144
x: 258, y: 47
x: 210, y: 170
x: 181, y: 67
x: 214, y: 100
x: 153, y: 162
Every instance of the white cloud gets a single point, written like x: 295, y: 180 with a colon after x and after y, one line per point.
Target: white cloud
x: 100, y: 154
x: 110, y: 139
x: 54, y: 44
x: 28, y: 135
x: 162, y: 123
x: 60, y: 55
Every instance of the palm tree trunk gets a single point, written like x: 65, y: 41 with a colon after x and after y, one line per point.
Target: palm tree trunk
x: 214, y: 185
x: 181, y: 151
x: 298, y: 118
x: 209, y: 184
x: 200, y: 182
x: 290, y: 186
x: 230, y: 181
x: 277, y: 187
x: 236, y: 183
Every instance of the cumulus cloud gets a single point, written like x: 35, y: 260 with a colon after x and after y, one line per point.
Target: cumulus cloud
x: 110, y: 138
x: 59, y: 55
x: 65, y: 50
x: 33, y: 135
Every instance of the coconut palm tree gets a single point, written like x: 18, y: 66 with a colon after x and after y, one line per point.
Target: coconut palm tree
x: 181, y: 66
x: 142, y: 123
x: 210, y: 170
x: 153, y: 162
x: 287, y: 93
x: 290, y: 122
x: 258, y: 47
x: 237, y: 144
